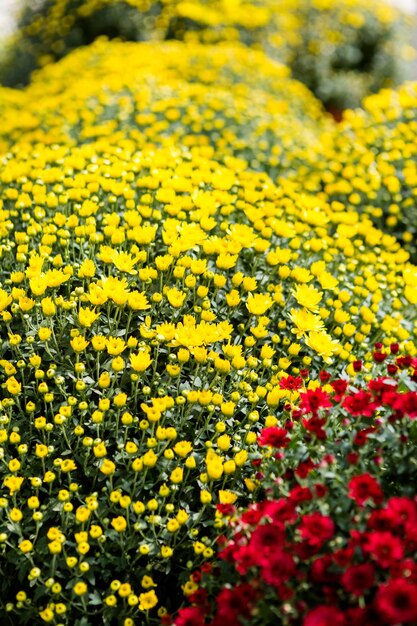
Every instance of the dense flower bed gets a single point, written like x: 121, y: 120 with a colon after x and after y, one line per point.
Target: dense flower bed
x: 373, y: 158
x: 170, y: 93
x: 193, y: 322
x: 342, y: 50
x: 152, y: 301
x: 334, y: 541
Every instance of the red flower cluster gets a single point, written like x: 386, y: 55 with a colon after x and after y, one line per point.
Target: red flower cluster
x: 331, y: 545
x: 365, y: 575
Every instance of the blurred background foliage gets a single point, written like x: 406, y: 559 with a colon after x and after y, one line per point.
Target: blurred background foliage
x: 341, y: 50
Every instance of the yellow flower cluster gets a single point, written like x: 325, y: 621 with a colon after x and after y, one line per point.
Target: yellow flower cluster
x: 172, y: 93
x: 373, y: 162
x: 341, y: 50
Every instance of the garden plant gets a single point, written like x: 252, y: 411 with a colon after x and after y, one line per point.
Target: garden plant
x: 333, y: 539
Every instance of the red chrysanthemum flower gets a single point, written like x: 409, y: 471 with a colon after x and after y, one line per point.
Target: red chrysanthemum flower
x: 403, y: 362
x: 402, y: 511
x: 324, y: 376
x: 304, y: 468
x: 316, y: 529
x: 300, y: 494
x: 379, y: 357
x: 274, y: 436
x: 226, y: 509
x: 396, y: 602
x: 313, y: 400
x: 267, y: 537
x: 253, y: 514
x: 339, y: 387
x: 384, y: 548
x: 360, y: 403
x: 357, y: 578
x: 365, y: 487
x: 315, y: 425
x: 291, y: 383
